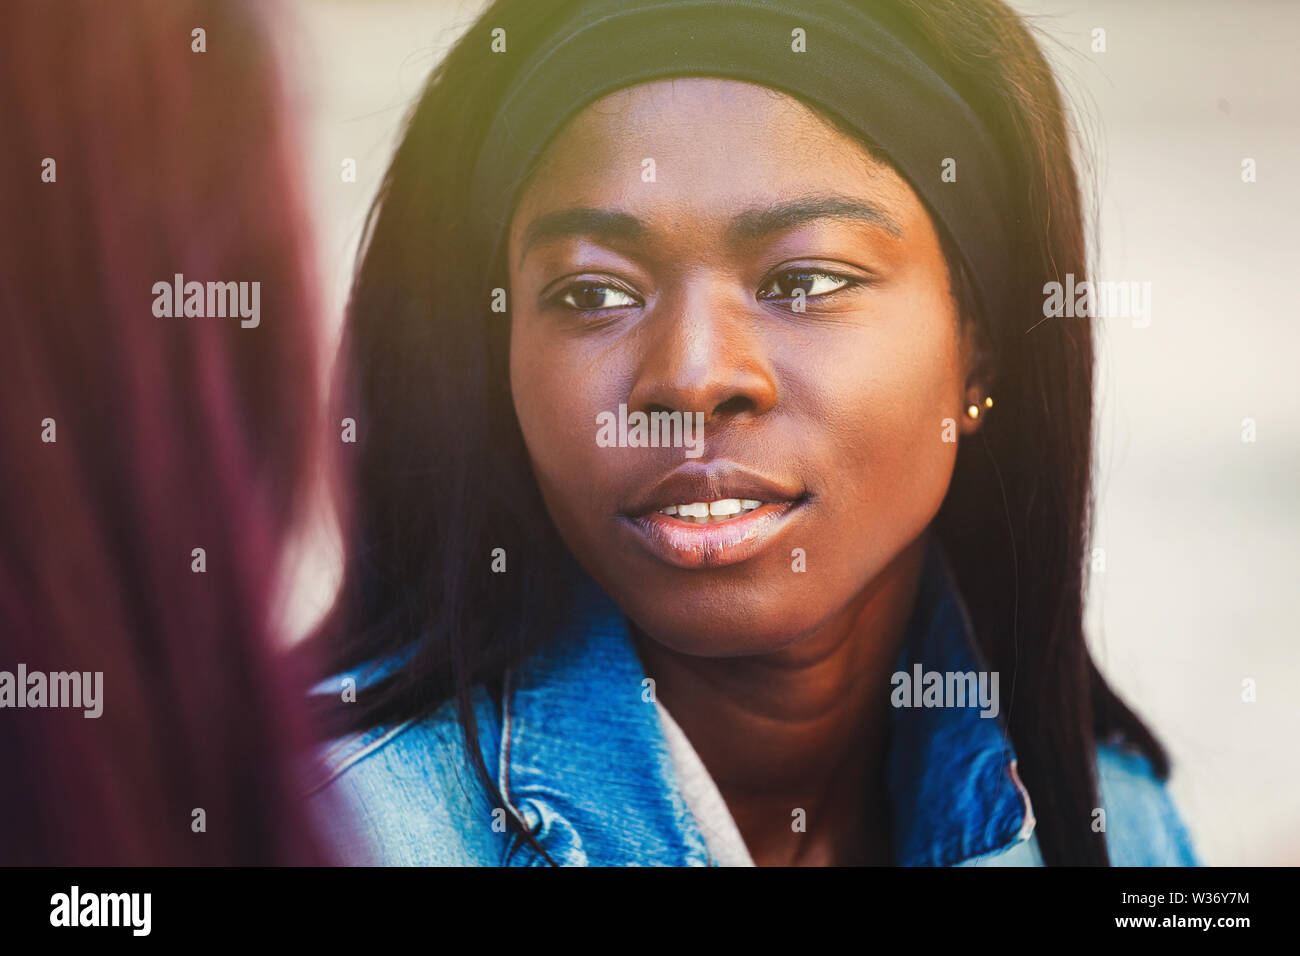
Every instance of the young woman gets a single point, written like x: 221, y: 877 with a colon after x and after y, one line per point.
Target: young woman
x: 723, y: 497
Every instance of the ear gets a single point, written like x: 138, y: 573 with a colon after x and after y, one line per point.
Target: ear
x: 980, y: 374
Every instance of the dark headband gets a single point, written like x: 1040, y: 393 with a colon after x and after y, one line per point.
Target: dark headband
x: 864, y: 69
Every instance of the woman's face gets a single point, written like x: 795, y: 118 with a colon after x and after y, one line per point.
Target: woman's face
x: 654, y: 263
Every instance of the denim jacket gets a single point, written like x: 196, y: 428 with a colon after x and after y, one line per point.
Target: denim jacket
x: 581, y: 758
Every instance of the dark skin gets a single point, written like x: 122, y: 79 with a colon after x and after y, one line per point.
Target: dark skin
x: 777, y: 672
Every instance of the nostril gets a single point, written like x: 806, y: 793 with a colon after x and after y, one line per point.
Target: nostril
x: 735, y: 405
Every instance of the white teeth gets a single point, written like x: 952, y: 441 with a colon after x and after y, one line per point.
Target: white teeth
x: 702, y: 512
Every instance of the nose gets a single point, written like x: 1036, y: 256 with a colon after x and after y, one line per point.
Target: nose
x: 703, y: 352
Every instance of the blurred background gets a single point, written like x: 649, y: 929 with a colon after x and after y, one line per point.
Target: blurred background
x: 1199, y: 531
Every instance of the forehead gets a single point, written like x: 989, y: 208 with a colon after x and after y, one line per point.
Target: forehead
x: 703, y: 146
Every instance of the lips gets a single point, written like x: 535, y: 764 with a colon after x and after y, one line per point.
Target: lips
x: 712, y: 514
x: 710, y: 482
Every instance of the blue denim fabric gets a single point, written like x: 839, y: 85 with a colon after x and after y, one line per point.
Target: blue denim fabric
x: 581, y: 759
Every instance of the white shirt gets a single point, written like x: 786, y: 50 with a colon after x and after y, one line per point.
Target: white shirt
x: 721, y: 835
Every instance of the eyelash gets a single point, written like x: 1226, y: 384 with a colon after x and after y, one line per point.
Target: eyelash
x: 849, y: 283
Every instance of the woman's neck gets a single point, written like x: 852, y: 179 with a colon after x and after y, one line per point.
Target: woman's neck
x: 797, y: 740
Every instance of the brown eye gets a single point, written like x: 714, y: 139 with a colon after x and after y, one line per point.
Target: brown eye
x: 594, y: 296
x: 813, y: 282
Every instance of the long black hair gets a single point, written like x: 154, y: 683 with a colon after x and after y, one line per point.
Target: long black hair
x: 442, y: 476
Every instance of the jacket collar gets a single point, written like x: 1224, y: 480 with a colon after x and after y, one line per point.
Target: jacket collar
x: 585, y: 764
x: 583, y: 759
x: 953, y: 784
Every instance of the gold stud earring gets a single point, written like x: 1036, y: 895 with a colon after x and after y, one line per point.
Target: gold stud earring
x: 974, y: 410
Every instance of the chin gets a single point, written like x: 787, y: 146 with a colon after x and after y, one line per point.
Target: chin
x: 723, y: 624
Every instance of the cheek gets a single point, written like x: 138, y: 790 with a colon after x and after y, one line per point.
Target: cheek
x: 557, y: 392
x: 885, y: 405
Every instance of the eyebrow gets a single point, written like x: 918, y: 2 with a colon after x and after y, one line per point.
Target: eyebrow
x: 747, y: 226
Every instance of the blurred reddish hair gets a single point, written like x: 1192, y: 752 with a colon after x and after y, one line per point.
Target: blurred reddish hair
x: 171, y: 434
